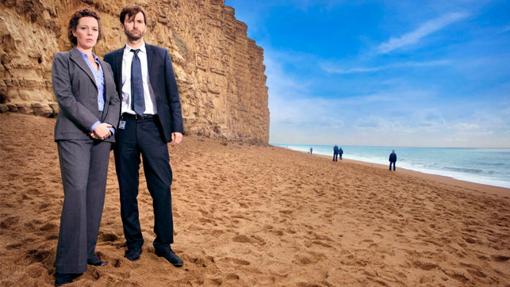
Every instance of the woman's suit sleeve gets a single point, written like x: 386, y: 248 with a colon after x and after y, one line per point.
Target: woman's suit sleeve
x: 71, y: 108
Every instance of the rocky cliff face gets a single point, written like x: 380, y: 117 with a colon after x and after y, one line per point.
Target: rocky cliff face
x: 220, y: 72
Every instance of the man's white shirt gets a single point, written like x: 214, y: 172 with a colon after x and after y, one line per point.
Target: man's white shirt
x: 127, y: 59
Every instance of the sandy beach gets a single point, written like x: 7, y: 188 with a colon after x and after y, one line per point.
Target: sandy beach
x: 261, y: 216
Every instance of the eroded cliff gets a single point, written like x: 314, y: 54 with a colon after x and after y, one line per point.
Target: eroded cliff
x: 220, y: 71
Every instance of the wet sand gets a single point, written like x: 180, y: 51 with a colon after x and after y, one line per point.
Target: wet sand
x: 261, y: 216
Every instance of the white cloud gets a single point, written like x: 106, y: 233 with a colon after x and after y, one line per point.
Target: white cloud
x: 399, y: 113
x: 466, y: 126
x: 425, y: 29
x: 390, y: 118
x: 358, y: 70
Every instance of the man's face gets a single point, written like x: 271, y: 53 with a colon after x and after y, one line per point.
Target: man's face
x: 134, y: 27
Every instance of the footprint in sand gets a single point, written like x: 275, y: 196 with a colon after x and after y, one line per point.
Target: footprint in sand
x: 13, y: 246
x: 470, y: 240
x: 459, y: 276
x: 253, y: 239
x: 96, y: 274
x: 34, y: 191
x: 258, y: 240
x: 117, y: 263
x: 213, y: 282
x: 49, y: 227
x: 310, y: 258
x: 9, y: 222
x: 500, y: 258
x: 44, y: 205
x: 51, y: 237
x: 35, y: 255
x: 425, y: 265
x: 232, y: 277
x: 109, y: 237
x: 35, y: 270
x: 477, y: 273
x: 200, y: 261
x: 237, y: 261
x: 319, y: 243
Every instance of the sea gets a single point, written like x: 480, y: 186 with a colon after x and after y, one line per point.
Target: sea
x: 489, y: 166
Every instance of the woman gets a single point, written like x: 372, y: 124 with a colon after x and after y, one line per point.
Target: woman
x: 89, y: 113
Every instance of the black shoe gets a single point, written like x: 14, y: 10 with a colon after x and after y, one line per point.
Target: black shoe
x: 96, y: 261
x: 61, y: 279
x: 133, y: 254
x: 169, y: 255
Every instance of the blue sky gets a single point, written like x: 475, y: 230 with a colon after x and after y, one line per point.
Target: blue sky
x: 395, y: 73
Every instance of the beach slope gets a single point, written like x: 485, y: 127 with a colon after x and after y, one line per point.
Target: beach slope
x: 260, y: 216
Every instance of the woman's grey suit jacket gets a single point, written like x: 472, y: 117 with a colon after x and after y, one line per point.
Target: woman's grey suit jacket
x: 76, y: 92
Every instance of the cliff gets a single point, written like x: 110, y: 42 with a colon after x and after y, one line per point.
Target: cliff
x: 219, y: 70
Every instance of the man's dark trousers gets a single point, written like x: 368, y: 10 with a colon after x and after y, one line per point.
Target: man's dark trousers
x: 392, y: 163
x: 142, y: 136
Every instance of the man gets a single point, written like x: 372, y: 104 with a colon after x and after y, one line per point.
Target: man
x: 150, y: 117
x: 393, y: 159
x: 335, y: 153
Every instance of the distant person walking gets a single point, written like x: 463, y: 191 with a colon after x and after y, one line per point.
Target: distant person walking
x: 340, y: 153
x: 311, y: 150
x: 393, y: 159
x: 335, y: 153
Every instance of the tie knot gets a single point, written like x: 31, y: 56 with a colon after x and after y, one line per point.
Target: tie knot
x: 135, y: 51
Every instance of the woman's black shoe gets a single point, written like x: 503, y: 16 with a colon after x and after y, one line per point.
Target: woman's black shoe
x: 61, y: 279
x: 96, y: 261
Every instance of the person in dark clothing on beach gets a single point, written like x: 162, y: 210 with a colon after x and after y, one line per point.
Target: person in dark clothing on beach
x: 335, y: 153
x: 340, y: 153
x: 311, y: 150
x: 393, y: 159
x: 150, y: 119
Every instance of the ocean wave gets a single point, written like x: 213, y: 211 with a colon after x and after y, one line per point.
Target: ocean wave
x: 492, y: 163
x: 463, y: 169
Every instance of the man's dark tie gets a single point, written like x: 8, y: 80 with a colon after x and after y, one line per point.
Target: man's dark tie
x: 137, y: 100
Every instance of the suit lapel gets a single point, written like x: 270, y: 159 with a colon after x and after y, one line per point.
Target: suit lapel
x: 78, y: 59
x: 107, y: 81
x: 150, y: 58
x: 118, y: 71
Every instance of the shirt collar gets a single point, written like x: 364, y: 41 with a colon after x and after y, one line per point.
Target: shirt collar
x: 85, y: 56
x: 141, y: 48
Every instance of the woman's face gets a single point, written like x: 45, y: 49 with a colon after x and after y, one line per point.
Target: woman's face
x: 86, y: 32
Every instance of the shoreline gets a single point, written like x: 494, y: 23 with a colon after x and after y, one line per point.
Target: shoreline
x: 421, y: 174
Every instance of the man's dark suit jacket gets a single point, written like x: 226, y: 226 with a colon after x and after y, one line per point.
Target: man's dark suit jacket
x: 163, y: 83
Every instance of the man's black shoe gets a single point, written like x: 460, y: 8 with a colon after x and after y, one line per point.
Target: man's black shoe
x: 169, y: 255
x: 61, y: 279
x: 96, y: 261
x: 133, y: 253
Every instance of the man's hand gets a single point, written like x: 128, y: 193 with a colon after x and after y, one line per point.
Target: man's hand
x: 176, y: 138
x: 102, y: 131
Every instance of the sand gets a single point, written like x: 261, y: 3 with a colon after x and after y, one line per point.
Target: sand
x: 261, y: 216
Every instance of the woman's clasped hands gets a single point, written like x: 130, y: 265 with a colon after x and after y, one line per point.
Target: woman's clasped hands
x: 101, y: 132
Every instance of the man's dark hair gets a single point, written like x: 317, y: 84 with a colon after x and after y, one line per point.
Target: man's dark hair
x: 73, y: 23
x: 131, y: 11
